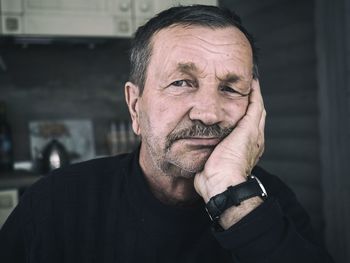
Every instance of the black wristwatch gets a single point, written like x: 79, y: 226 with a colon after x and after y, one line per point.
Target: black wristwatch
x: 233, y: 196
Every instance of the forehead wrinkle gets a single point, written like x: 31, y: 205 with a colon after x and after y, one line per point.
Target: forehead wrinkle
x: 236, y: 74
x: 234, y: 44
x: 231, y: 52
x: 211, y: 46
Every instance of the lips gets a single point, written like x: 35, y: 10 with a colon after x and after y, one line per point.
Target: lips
x: 201, y: 141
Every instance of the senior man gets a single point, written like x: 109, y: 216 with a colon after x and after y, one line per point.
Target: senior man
x: 191, y: 192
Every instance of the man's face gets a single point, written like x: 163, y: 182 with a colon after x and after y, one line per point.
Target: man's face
x: 196, y: 90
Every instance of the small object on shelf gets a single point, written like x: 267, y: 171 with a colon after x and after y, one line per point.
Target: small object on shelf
x: 55, y: 156
x: 75, y: 135
x: 6, y: 145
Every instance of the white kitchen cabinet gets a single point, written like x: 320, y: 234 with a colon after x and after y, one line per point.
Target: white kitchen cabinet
x: 67, y: 17
x: 80, y: 17
x: 145, y: 9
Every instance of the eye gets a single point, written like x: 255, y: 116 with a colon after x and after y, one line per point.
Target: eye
x: 232, y: 92
x: 182, y: 83
x: 228, y: 89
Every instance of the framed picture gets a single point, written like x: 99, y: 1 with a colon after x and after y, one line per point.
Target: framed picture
x: 75, y: 135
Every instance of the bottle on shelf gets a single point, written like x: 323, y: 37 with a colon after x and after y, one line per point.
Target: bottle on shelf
x: 6, y: 145
x: 55, y: 156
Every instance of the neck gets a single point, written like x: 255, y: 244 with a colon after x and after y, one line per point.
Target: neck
x: 169, y: 188
x: 173, y: 191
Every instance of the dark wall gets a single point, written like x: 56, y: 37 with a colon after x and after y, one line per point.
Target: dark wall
x: 64, y: 81
x: 333, y: 31
x: 285, y: 33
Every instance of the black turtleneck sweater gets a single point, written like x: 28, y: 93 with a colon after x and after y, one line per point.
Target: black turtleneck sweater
x: 103, y: 211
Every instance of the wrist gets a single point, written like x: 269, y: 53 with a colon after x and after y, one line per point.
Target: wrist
x: 252, y: 191
x: 235, y: 213
x: 210, y: 186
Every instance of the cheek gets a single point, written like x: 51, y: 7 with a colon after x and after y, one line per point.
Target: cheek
x: 169, y: 115
x: 235, y: 110
x: 159, y: 118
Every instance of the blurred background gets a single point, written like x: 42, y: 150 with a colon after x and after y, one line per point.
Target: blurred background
x: 63, y: 65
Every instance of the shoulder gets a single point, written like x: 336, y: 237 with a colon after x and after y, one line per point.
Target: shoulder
x: 101, y: 166
x: 66, y: 199
x: 80, y: 178
x: 81, y: 185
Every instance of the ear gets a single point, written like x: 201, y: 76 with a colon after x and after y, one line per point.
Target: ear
x: 132, y: 97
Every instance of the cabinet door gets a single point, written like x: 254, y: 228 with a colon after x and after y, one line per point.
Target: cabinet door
x: 10, y: 16
x: 161, y: 5
x: 12, y: 6
x: 144, y: 10
x: 76, y: 17
x: 121, y: 10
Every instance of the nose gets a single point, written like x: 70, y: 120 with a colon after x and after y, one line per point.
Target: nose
x: 206, y: 107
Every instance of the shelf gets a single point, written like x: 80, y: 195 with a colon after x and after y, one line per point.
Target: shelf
x: 17, y: 179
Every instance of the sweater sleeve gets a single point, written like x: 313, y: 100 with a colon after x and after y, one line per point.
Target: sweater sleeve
x: 279, y: 230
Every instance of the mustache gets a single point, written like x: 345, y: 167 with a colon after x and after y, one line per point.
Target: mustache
x: 198, y: 129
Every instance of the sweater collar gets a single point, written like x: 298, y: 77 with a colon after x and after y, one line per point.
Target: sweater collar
x: 173, y: 219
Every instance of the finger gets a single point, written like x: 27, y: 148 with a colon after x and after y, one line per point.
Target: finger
x: 256, y: 104
x: 262, y: 132
x: 261, y: 137
x: 262, y: 126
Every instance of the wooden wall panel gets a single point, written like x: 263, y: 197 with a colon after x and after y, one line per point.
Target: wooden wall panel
x: 285, y: 33
x: 333, y: 30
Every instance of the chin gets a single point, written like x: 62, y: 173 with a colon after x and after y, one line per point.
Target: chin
x: 185, y: 163
x: 184, y: 169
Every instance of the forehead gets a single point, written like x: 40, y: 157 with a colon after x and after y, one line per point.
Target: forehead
x: 218, y: 49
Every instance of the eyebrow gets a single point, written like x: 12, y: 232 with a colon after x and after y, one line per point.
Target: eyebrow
x: 187, y: 67
x: 230, y: 78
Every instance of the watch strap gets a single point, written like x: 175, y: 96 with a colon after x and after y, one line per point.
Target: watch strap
x: 233, y: 196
